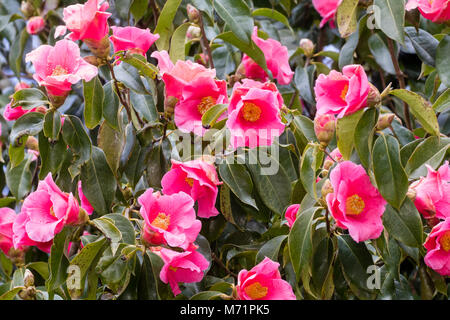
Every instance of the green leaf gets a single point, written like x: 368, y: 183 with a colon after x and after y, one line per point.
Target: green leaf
x: 346, y: 16
x: 164, y: 26
x: 345, y: 132
x: 112, y: 143
x: 79, y: 142
x: 19, y: 178
x: 443, y: 102
x: 272, y: 14
x: 390, y: 176
x: 16, y: 52
x: 303, y: 79
x: 364, y: 133
x: 238, y: 179
x: 442, y: 65
x: 300, y: 241
x: 355, y: 259
x: 129, y: 75
x: 140, y: 63
x: 17, y: 154
x: 251, y: 49
x: 52, y: 155
x: 270, y: 249
x: 210, y: 117
x: 29, y: 98
x: 111, y: 105
x: 107, y: 227
x: 391, y: 18
x: 311, y: 160
x: 9, y: 295
x: 58, y: 262
x: 29, y: 124
x: 99, y: 184
x: 381, y: 54
x: 237, y: 16
x: 52, y: 124
x: 150, y: 286
x: 177, y: 43
x: 207, y: 295
x: 93, y: 102
x: 274, y: 189
x: 420, y: 108
x: 125, y: 227
x: 424, y: 44
x: 322, y: 267
x: 405, y: 224
x: 5, y: 19
x: 85, y: 260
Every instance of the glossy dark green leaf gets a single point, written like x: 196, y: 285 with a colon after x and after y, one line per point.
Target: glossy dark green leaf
x: 164, y: 27
x: 405, y: 224
x: 390, y: 176
x: 311, y: 160
x: 29, y: 124
x: 58, y: 262
x: 238, y: 179
x: 18, y: 179
x: 391, y: 18
x: 111, y: 105
x: 29, y: 98
x: 270, y: 249
x: 99, y: 184
x: 380, y: 53
x: 16, y: 52
x: 442, y: 65
x: 424, y: 44
x: 52, y: 124
x: 237, y: 16
x: 364, y: 133
x: 345, y: 132
x: 93, y: 102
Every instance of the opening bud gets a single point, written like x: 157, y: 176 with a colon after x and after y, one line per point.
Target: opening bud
x: 385, y: 121
x: 307, y: 46
x: 324, y: 127
x: 374, y: 97
x: 193, y: 13
x: 327, y: 188
x: 28, y: 278
x: 193, y: 32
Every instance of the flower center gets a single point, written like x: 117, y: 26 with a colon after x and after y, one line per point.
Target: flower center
x: 52, y: 212
x: 256, y: 291
x: 354, y: 205
x: 174, y: 269
x: 251, y: 112
x: 162, y: 221
x: 58, y: 71
x: 189, y: 181
x: 344, y: 92
x: 205, y: 104
x: 445, y: 241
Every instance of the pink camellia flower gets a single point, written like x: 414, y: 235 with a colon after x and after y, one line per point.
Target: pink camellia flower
x: 324, y: 127
x: 438, y: 247
x: 342, y: 93
x: 177, y: 76
x: 198, y: 97
x: 291, y: 214
x: 186, y: 267
x: 85, y: 204
x: 256, y: 121
x: 12, y: 114
x: 241, y: 89
x: 58, y: 67
x: 355, y: 203
x: 133, y: 39
x: 87, y: 21
x: 169, y: 219
x: 327, y: 10
x: 35, y: 25
x: 7, y: 217
x: 197, y: 178
x: 436, y: 10
x: 433, y: 193
x: 44, y: 213
x: 263, y: 282
x: 277, y: 59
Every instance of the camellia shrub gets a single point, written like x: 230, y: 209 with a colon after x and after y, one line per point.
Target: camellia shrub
x: 225, y: 149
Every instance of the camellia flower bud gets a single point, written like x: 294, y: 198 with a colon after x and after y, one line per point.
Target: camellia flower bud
x: 169, y: 106
x: 193, y: 32
x: 27, y: 9
x: 385, y: 120
x: 32, y: 143
x: 374, y: 97
x: 327, y: 188
x: 99, y: 48
x: 307, y: 46
x: 28, y: 278
x: 193, y: 13
x: 324, y: 127
x: 35, y: 25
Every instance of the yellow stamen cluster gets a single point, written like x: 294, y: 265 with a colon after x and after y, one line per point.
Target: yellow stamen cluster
x: 205, y: 104
x: 251, y: 112
x: 59, y: 71
x: 354, y: 205
x: 162, y: 221
x: 445, y: 241
x: 256, y: 291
